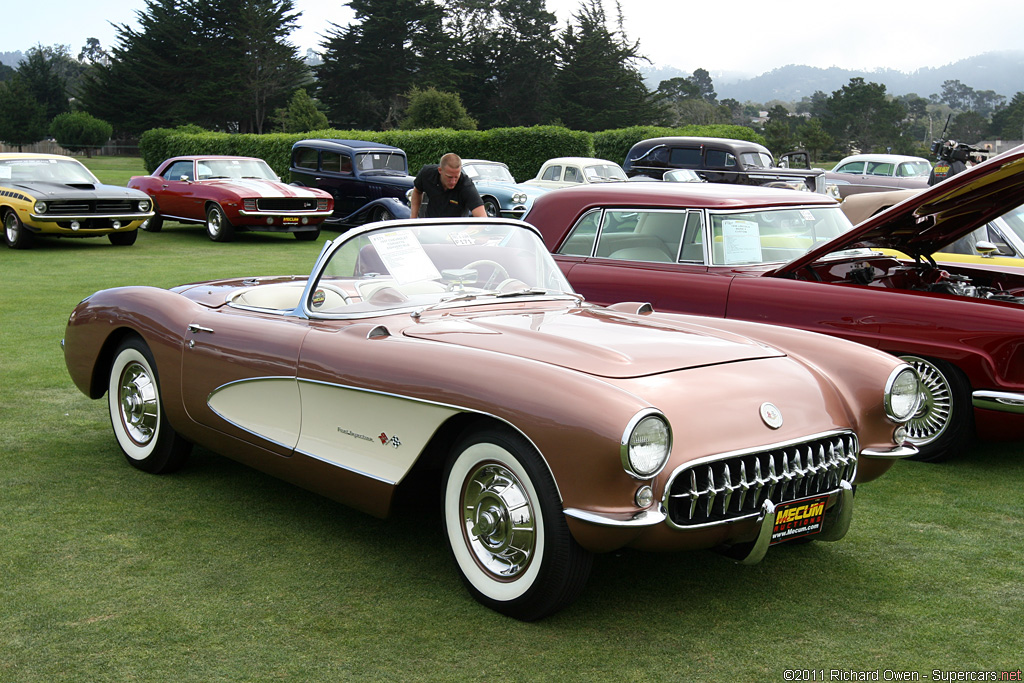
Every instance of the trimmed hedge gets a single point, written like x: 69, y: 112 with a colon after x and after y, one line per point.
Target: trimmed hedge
x: 523, y: 149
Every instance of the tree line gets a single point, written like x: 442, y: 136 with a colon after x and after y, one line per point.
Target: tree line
x: 227, y: 65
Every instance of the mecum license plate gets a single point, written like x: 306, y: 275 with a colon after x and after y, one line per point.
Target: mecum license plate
x: 799, y: 518
x: 290, y: 219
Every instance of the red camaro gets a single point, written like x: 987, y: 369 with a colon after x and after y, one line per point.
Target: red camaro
x: 228, y: 193
x: 793, y: 258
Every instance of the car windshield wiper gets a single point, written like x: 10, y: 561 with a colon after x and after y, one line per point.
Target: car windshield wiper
x: 526, y: 291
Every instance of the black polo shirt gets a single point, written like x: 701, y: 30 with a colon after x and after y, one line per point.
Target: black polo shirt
x: 443, y: 203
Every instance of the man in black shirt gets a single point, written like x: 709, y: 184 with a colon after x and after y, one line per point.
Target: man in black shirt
x: 449, y: 193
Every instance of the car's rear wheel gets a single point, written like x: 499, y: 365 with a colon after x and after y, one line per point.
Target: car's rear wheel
x: 154, y: 224
x: 492, y: 207
x: 944, y: 423
x: 218, y: 227
x: 16, y: 234
x: 307, y: 235
x: 506, y: 529
x: 381, y: 214
x: 123, y: 239
x: 136, y: 411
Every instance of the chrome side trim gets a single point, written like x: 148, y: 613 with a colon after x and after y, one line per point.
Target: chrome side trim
x: 1004, y: 401
x: 642, y: 519
x: 904, y: 451
x: 454, y: 407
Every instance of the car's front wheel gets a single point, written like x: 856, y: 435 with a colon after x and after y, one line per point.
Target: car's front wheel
x: 136, y: 411
x: 154, y: 224
x: 506, y: 529
x: 218, y: 227
x: 943, y: 424
x: 492, y: 207
x: 381, y: 214
x: 16, y: 234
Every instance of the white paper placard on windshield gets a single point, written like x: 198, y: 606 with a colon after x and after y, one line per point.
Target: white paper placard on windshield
x: 742, y: 241
x: 403, y: 256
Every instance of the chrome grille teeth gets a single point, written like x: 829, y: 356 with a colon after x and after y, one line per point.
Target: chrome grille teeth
x: 715, y: 495
x: 744, y: 486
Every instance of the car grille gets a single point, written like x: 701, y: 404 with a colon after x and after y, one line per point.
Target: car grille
x: 99, y: 206
x: 286, y: 204
x: 735, y: 486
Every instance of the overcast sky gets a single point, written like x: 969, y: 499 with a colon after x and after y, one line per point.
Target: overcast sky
x: 746, y: 36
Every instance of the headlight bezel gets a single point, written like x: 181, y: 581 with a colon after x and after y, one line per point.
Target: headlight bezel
x: 892, y: 410
x: 39, y: 207
x: 145, y: 205
x: 649, y: 417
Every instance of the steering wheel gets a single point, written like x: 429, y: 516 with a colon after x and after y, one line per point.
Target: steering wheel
x: 498, y: 272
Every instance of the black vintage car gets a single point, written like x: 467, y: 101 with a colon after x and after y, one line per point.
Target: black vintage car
x: 369, y: 181
x: 723, y: 160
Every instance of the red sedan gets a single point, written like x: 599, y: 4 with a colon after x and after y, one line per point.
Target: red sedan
x: 793, y: 258
x: 227, y: 194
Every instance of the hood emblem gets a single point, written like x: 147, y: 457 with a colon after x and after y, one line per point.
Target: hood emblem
x: 771, y: 415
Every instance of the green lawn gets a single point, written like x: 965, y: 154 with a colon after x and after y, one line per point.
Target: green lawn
x: 220, y: 573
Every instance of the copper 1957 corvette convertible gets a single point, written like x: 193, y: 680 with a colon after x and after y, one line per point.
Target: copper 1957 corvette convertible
x: 560, y: 428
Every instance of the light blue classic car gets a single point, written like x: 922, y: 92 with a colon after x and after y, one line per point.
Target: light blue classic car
x: 501, y: 194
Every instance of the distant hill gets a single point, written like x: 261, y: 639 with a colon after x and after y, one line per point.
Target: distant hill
x: 998, y: 71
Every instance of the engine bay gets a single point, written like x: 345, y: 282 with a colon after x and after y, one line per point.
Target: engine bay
x: 878, y: 270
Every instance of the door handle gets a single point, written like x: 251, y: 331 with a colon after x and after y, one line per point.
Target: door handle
x: 199, y: 328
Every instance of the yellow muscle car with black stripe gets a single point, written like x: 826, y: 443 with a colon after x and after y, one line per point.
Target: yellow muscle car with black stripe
x: 51, y: 194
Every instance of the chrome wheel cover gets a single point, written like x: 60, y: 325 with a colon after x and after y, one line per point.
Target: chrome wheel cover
x: 932, y: 418
x: 138, y: 407
x: 499, y: 522
x: 214, y: 222
x: 11, y: 227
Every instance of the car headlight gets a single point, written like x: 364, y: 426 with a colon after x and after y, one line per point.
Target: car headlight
x: 40, y: 207
x: 519, y: 198
x: 832, y: 190
x: 646, y: 444
x: 144, y: 205
x: 902, y: 394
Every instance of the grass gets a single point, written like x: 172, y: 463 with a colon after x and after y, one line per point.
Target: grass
x: 220, y: 573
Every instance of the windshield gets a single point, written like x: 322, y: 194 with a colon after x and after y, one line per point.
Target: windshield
x: 603, y: 173
x: 414, y: 264
x: 773, y: 235
x: 381, y: 161
x: 65, y: 171
x: 491, y: 172
x: 1015, y: 219
x: 234, y: 168
x: 757, y: 160
x: 914, y: 169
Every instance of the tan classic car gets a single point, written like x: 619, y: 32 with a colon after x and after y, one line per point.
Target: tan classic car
x: 559, y: 429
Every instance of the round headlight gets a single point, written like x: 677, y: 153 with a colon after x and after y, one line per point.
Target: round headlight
x: 40, y: 207
x: 519, y: 198
x: 144, y: 206
x: 902, y: 394
x: 646, y: 444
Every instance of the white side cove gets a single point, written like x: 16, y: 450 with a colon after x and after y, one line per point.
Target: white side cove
x: 374, y: 434
x: 268, y: 407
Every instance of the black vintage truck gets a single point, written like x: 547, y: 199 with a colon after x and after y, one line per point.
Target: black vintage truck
x: 723, y: 160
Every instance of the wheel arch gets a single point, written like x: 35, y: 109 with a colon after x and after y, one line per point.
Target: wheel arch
x: 434, y: 454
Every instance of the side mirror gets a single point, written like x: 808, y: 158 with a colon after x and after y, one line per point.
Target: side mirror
x: 986, y: 249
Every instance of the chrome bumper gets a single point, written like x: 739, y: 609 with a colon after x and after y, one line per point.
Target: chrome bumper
x: 1003, y: 401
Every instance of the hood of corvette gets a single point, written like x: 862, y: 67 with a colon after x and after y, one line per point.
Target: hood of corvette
x: 595, y: 341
